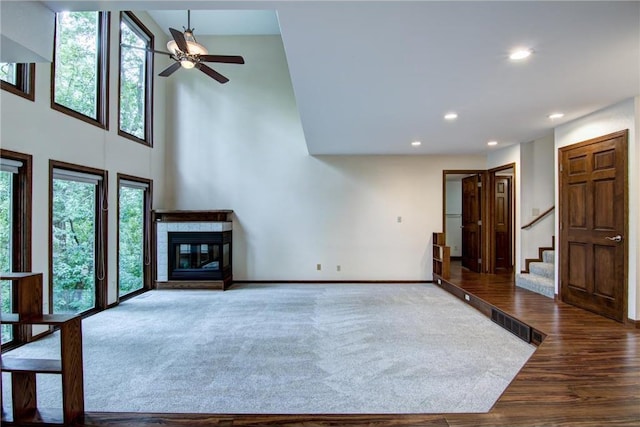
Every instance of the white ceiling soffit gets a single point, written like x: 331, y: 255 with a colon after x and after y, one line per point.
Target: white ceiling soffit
x: 370, y: 77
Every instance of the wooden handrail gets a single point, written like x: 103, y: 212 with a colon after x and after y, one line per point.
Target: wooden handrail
x: 538, y: 218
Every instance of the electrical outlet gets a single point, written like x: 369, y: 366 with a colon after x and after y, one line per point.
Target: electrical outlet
x: 439, y: 282
x: 467, y: 297
x: 399, y: 219
x: 318, y: 267
x: 338, y: 268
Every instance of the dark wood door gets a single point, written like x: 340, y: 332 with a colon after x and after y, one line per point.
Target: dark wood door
x: 593, y: 203
x: 471, y: 228
x: 502, y: 220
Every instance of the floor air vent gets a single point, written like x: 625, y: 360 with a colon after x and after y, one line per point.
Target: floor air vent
x: 512, y: 325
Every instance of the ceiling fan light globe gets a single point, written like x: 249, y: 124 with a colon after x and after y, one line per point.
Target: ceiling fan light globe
x: 172, y: 47
x: 187, y: 64
x: 196, y: 48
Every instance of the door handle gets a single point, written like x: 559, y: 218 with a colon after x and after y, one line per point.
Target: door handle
x: 617, y: 238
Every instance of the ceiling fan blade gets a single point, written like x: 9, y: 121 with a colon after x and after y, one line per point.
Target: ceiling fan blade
x: 212, y: 73
x: 146, y: 49
x: 180, y: 40
x: 227, y: 59
x: 170, y: 70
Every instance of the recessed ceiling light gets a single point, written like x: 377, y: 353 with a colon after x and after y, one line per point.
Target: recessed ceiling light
x: 520, y: 54
x: 492, y: 143
x: 556, y: 116
x: 451, y: 116
x: 416, y: 143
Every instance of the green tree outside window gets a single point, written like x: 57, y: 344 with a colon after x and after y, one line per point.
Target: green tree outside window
x: 6, y: 227
x: 74, y: 222
x: 76, y: 62
x: 133, y: 80
x: 131, y: 240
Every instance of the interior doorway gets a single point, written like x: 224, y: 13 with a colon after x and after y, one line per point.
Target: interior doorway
x: 479, y: 218
x: 472, y: 222
x: 502, y: 216
x: 464, y: 210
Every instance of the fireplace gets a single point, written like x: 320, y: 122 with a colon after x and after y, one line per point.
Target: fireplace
x: 194, y: 249
x: 199, y: 255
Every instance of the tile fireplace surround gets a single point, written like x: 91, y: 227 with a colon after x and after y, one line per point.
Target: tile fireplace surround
x: 215, y: 223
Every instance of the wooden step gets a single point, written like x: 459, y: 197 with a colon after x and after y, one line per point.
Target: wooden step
x: 36, y: 416
x: 40, y: 319
x: 16, y: 276
x: 40, y: 366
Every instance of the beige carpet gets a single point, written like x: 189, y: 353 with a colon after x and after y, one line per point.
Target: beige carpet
x: 287, y: 348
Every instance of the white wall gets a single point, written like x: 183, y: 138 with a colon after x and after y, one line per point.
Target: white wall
x: 241, y: 146
x: 624, y: 115
x: 507, y: 156
x: 537, y: 185
x: 34, y: 128
x: 634, y: 207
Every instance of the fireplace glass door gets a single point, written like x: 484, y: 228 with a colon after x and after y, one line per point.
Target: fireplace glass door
x: 199, y: 256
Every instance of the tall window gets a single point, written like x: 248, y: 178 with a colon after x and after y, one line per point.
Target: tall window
x: 18, y: 79
x: 78, y: 238
x: 15, y: 226
x: 6, y: 230
x: 134, y: 224
x: 9, y: 72
x: 79, y: 83
x: 136, y: 80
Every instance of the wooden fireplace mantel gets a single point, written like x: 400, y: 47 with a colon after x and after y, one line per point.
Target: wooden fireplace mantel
x: 162, y: 215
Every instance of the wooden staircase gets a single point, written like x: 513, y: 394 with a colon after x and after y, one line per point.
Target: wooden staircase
x: 528, y: 261
x: 539, y: 276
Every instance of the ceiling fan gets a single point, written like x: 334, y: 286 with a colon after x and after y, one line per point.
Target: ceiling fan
x: 188, y: 53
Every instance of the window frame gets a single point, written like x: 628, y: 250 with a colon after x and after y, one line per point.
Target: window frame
x: 25, y: 81
x: 147, y: 270
x: 21, y: 244
x: 101, y: 233
x: 102, y: 99
x: 140, y: 29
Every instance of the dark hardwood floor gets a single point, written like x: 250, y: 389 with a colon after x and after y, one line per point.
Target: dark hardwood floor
x: 586, y: 372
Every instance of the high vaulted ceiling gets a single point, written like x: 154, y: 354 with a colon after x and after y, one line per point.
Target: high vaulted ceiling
x: 371, y: 77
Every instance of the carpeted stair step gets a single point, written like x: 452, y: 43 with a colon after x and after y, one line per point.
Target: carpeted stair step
x: 543, y: 269
x: 549, y: 256
x: 535, y: 283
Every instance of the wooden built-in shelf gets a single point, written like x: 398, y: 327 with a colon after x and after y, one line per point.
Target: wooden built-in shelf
x: 28, y: 304
x: 42, y: 319
x: 441, y: 257
x: 39, y: 366
x: 45, y: 416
